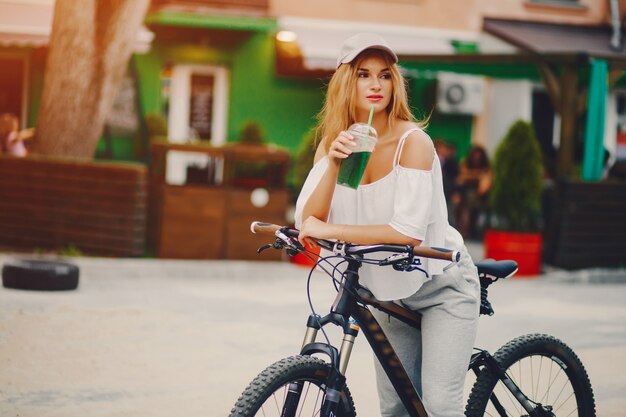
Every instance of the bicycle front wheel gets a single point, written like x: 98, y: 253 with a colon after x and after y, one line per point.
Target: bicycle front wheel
x: 269, y: 393
x: 545, y: 369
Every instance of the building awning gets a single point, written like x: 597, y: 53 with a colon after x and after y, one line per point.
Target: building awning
x: 319, y: 40
x: 29, y: 24
x: 549, y: 38
x: 202, y: 19
x: 592, y: 43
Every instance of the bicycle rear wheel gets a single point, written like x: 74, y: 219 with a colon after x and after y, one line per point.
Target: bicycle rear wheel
x: 267, y: 393
x: 545, y: 369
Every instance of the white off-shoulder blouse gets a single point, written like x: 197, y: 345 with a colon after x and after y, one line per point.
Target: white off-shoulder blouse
x: 409, y: 200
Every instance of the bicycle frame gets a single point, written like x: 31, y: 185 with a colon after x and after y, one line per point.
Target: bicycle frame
x: 349, y: 304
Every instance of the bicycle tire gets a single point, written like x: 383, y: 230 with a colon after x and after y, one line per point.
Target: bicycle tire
x: 542, y: 351
x: 272, y: 383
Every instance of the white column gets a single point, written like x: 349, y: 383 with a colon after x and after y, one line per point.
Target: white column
x: 509, y: 101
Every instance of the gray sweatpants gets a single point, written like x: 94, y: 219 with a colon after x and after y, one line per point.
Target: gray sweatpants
x: 435, y: 358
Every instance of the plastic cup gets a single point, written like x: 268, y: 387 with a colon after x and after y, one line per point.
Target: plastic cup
x: 352, y: 168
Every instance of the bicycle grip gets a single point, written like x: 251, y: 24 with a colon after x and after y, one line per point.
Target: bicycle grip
x: 437, y: 253
x: 263, y: 228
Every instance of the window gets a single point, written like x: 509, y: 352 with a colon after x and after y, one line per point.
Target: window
x: 620, y: 124
x: 198, y: 99
x: 197, y: 103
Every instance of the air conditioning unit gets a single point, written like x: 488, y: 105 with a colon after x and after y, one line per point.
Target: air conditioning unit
x: 459, y: 93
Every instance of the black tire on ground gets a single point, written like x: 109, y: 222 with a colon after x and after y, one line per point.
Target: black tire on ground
x: 545, y: 369
x: 42, y: 275
x: 265, y: 394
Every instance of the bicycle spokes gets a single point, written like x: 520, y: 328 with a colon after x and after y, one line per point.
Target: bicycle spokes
x: 543, y: 379
x: 297, y: 399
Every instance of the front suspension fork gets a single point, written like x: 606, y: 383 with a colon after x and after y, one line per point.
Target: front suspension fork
x: 336, y: 379
x: 350, y: 332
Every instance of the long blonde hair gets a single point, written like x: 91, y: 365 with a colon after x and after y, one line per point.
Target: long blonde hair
x: 339, y: 110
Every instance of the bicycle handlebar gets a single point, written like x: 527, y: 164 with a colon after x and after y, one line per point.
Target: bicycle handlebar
x: 419, y: 251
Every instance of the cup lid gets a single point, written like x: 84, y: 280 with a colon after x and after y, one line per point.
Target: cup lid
x: 364, y: 129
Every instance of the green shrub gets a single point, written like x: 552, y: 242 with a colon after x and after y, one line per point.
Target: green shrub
x: 515, y: 196
x: 156, y: 124
x: 252, y: 134
x: 304, y: 158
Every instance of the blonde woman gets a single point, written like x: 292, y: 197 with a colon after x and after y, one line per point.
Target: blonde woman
x: 400, y: 200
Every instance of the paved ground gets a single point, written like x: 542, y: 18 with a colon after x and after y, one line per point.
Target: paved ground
x: 171, y: 338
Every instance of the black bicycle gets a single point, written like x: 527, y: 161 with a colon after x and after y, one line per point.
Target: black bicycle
x: 534, y: 375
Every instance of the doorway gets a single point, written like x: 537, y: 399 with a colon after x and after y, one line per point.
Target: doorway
x: 197, y: 110
x: 13, y: 87
x: 198, y: 103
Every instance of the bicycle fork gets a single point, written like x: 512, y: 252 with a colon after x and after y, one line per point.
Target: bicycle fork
x: 350, y: 332
x: 339, y: 363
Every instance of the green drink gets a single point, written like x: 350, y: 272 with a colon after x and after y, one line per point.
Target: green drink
x: 353, y: 167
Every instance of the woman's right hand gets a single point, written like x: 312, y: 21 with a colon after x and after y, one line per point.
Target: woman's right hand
x: 340, y: 147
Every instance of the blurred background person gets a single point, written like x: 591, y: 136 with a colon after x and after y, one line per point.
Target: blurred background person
x: 11, y: 139
x: 472, y: 189
x: 449, y: 171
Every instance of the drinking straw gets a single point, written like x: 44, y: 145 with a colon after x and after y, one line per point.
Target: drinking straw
x: 369, y: 121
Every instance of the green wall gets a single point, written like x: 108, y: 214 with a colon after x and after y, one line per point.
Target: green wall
x: 284, y: 108
x: 35, y: 88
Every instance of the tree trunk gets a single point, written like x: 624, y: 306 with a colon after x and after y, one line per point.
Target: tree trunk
x: 90, y: 47
x: 569, y: 101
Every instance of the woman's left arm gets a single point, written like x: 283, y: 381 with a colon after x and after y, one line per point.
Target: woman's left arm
x: 418, y: 153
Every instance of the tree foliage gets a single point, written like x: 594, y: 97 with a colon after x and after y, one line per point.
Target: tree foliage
x: 515, y: 197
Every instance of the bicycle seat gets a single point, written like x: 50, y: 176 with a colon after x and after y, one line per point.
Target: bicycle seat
x: 489, y: 271
x: 494, y: 270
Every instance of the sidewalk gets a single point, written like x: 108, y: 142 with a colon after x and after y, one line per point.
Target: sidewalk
x: 152, y: 337
x: 588, y: 275
x: 147, y: 267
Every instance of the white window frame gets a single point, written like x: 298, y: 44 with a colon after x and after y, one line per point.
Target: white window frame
x: 610, y: 126
x: 509, y: 100
x: 180, y: 90
x: 178, y: 118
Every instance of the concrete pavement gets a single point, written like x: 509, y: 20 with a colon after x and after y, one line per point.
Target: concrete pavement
x: 161, y: 338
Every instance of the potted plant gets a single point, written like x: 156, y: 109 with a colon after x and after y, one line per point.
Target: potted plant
x: 515, y: 200
x: 250, y: 174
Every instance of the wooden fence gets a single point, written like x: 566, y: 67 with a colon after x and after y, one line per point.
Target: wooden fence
x: 587, y: 226
x: 96, y: 207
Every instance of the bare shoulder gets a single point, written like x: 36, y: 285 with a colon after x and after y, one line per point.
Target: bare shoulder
x: 418, y: 151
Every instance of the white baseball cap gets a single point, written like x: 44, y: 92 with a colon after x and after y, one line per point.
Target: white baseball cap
x: 358, y: 43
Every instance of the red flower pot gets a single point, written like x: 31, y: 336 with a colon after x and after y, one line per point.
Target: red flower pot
x: 303, y: 260
x: 523, y: 248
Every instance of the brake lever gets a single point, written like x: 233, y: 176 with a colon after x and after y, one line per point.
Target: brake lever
x: 282, y: 241
x: 404, y: 262
x: 289, y: 242
x: 262, y: 248
x: 396, y: 259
